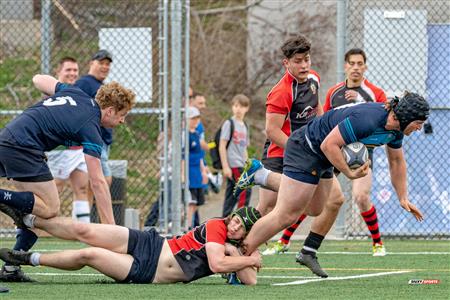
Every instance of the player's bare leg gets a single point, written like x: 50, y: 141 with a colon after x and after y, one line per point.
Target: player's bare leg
x: 267, y: 201
x: 111, y: 237
x: 46, y: 203
x: 293, y: 198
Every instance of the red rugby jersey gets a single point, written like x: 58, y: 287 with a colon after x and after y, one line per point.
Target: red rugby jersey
x: 189, y: 249
x: 367, y: 92
x: 297, y: 101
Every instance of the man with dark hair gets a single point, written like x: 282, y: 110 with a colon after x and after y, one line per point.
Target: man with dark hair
x: 313, y: 150
x: 355, y: 89
x: 147, y: 257
x: 67, y: 117
x: 290, y: 105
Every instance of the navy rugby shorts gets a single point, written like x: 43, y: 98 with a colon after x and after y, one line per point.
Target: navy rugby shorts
x: 20, y: 163
x: 145, y: 247
x: 301, y: 163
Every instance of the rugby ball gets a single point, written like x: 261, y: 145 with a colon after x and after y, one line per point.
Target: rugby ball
x: 355, y: 154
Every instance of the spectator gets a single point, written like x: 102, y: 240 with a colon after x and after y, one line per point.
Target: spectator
x: 233, y: 152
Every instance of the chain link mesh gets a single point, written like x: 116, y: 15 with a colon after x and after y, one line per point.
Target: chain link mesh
x: 407, y: 44
x: 131, y: 32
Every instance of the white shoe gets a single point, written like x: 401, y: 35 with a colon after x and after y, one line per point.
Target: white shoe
x: 378, y: 250
x: 276, y: 248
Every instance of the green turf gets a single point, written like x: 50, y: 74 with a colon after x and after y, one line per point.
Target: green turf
x: 85, y: 284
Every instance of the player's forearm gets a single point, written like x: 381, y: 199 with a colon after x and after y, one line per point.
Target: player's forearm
x: 103, y: 201
x: 398, y: 173
x: 277, y: 136
x: 233, y: 264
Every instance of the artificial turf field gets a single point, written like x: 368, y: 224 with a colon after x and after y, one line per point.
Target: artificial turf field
x: 354, y: 274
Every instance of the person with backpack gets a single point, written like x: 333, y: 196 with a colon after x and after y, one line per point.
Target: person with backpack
x: 232, y: 147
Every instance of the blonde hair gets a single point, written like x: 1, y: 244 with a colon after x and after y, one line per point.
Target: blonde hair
x: 241, y: 99
x: 115, y: 95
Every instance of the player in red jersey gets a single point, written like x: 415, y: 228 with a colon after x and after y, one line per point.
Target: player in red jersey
x: 291, y: 104
x: 129, y: 255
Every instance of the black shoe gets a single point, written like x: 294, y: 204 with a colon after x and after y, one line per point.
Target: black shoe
x: 3, y: 289
x: 311, y: 262
x: 13, y: 214
x: 14, y: 257
x: 14, y: 276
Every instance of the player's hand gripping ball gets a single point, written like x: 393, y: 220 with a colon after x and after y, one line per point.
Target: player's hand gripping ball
x: 355, y: 154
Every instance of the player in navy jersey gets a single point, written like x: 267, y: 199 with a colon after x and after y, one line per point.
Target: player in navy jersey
x: 355, y: 89
x: 99, y: 68
x: 314, y: 149
x: 68, y: 117
x: 147, y: 257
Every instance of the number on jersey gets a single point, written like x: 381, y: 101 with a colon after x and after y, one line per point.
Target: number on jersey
x: 60, y: 101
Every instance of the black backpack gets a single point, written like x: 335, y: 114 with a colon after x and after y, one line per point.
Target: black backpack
x: 214, y: 151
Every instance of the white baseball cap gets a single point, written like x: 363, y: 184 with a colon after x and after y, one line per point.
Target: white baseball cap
x: 192, y: 112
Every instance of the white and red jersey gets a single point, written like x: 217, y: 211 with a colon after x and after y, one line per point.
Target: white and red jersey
x: 297, y: 101
x: 367, y: 92
x: 189, y: 249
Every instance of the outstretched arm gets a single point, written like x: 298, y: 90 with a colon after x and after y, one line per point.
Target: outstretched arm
x: 397, y: 168
x: 219, y: 262
x: 100, y: 188
x: 45, y: 83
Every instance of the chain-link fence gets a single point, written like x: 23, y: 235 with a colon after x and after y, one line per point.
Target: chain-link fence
x: 235, y: 48
x: 408, y: 48
x: 35, y: 35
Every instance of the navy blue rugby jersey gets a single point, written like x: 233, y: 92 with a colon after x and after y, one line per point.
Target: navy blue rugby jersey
x: 362, y: 122
x: 69, y: 118
x: 90, y: 85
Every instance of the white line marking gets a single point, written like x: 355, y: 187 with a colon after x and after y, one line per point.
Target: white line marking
x: 65, y: 274
x: 290, y: 252
x: 370, y: 253
x: 340, y: 278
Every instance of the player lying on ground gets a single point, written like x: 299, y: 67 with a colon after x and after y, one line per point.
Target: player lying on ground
x: 145, y: 256
x: 313, y: 150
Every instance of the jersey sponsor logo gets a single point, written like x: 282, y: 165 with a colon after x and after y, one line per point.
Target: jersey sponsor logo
x: 59, y: 101
x: 305, y: 113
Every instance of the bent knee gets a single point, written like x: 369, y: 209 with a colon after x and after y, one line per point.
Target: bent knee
x: 362, y: 198
x: 85, y: 256
x: 335, y: 203
x: 81, y: 230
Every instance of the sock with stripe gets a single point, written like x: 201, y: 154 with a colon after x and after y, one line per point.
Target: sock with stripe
x: 371, y: 219
x: 288, y: 232
x: 312, y: 243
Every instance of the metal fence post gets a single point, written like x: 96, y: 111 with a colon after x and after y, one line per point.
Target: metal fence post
x: 46, y: 23
x: 186, y: 93
x: 176, y: 114
x: 340, y: 76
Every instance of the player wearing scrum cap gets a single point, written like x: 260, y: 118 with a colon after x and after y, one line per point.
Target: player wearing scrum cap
x: 313, y: 150
x: 145, y: 256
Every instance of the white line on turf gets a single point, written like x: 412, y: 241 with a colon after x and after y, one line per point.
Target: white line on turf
x: 326, y: 252
x: 341, y: 278
x: 370, y: 253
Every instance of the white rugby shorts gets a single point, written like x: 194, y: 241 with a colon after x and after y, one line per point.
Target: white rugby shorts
x: 63, y: 162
